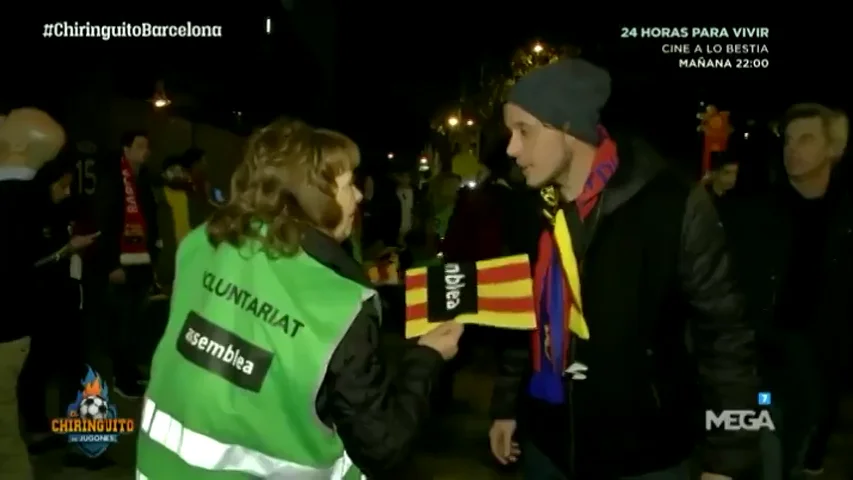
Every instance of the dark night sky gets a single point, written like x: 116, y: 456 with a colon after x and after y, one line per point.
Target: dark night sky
x: 394, y: 67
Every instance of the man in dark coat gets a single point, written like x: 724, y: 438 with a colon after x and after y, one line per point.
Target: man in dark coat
x: 613, y: 391
x: 794, y: 250
x: 58, y: 271
x: 121, y: 267
x: 28, y: 139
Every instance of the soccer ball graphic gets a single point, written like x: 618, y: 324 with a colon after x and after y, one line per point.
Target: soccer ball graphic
x: 93, y: 408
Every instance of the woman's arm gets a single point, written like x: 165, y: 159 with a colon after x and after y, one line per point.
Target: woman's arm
x: 378, y: 412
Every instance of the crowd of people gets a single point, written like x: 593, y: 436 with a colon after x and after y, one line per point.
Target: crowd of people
x: 657, y: 298
x: 86, y: 270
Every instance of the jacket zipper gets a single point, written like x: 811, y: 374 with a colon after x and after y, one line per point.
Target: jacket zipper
x: 570, y: 400
x: 595, y: 222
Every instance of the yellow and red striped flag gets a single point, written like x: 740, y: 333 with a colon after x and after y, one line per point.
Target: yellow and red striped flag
x: 496, y: 293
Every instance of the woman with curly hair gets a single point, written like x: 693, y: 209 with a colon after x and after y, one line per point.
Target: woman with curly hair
x: 269, y: 366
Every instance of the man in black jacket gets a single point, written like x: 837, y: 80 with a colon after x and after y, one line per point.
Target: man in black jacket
x: 611, y: 395
x: 126, y: 216
x: 58, y: 274
x: 795, y: 249
x: 28, y: 139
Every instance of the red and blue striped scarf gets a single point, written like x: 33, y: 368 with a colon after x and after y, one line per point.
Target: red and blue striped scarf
x: 553, y: 296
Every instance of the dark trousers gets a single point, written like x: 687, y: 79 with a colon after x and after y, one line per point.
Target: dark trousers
x: 806, y: 403
x: 819, y: 444
x: 123, y: 319
x: 57, y: 353
x: 535, y: 465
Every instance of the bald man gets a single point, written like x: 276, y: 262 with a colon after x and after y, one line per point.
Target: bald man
x: 29, y: 138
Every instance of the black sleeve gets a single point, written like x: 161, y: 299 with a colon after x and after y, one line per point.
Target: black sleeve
x: 723, y: 341
x: 513, y: 369
x: 107, y: 217
x: 149, y: 208
x: 378, y: 412
x: 514, y: 365
x: 22, y: 244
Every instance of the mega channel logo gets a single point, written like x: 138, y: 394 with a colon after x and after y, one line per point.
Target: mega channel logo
x: 91, y: 422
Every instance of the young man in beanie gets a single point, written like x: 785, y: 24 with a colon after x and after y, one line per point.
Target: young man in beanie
x: 606, y: 387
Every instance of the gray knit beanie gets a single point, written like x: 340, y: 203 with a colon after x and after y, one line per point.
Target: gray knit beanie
x: 568, y: 93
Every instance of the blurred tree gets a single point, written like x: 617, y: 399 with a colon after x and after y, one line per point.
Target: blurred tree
x: 483, y: 106
x: 495, y: 86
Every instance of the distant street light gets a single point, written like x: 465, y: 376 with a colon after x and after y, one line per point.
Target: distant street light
x: 424, y: 161
x: 538, y: 48
x: 453, y: 121
x: 470, y: 123
x: 390, y: 156
x: 160, y: 99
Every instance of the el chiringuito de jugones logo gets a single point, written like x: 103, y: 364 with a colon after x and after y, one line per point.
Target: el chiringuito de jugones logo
x: 91, y: 422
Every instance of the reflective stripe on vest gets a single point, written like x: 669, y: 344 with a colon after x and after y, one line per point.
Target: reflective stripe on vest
x: 201, y: 451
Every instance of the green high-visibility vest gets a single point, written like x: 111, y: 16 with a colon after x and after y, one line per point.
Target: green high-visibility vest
x: 235, y: 377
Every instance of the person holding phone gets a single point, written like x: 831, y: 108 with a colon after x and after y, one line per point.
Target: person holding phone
x: 59, y: 274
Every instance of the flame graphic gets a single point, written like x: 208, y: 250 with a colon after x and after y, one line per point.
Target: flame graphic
x: 92, y: 388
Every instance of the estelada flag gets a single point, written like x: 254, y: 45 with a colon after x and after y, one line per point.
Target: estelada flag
x: 495, y: 293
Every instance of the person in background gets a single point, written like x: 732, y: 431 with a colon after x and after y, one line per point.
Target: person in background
x: 126, y: 216
x: 29, y: 138
x: 58, y: 271
x: 478, y: 230
x: 478, y: 227
x: 720, y: 184
x: 797, y: 255
x: 297, y: 386
x: 406, y: 197
x: 382, y: 212
x: 442, y: 193
x: 722, y: 176
x: 184, y: 202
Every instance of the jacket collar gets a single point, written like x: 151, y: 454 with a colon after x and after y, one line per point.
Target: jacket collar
x: 639, y: 163
x: 329, y: 252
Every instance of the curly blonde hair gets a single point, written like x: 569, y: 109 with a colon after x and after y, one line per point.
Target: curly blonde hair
x: 286, y: 182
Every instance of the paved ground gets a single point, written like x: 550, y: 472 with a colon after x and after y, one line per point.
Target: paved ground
x: 464, y: 456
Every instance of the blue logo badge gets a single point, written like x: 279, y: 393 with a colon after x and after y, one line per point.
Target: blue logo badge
x: 764, y: 398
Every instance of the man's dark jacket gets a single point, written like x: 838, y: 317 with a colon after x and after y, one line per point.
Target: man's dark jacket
x: 382, y: 214
x: 109, y: 215
x: 20, y: 214
x: 761, y: 234
x: 654, y: 268
x: 477, y: 229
